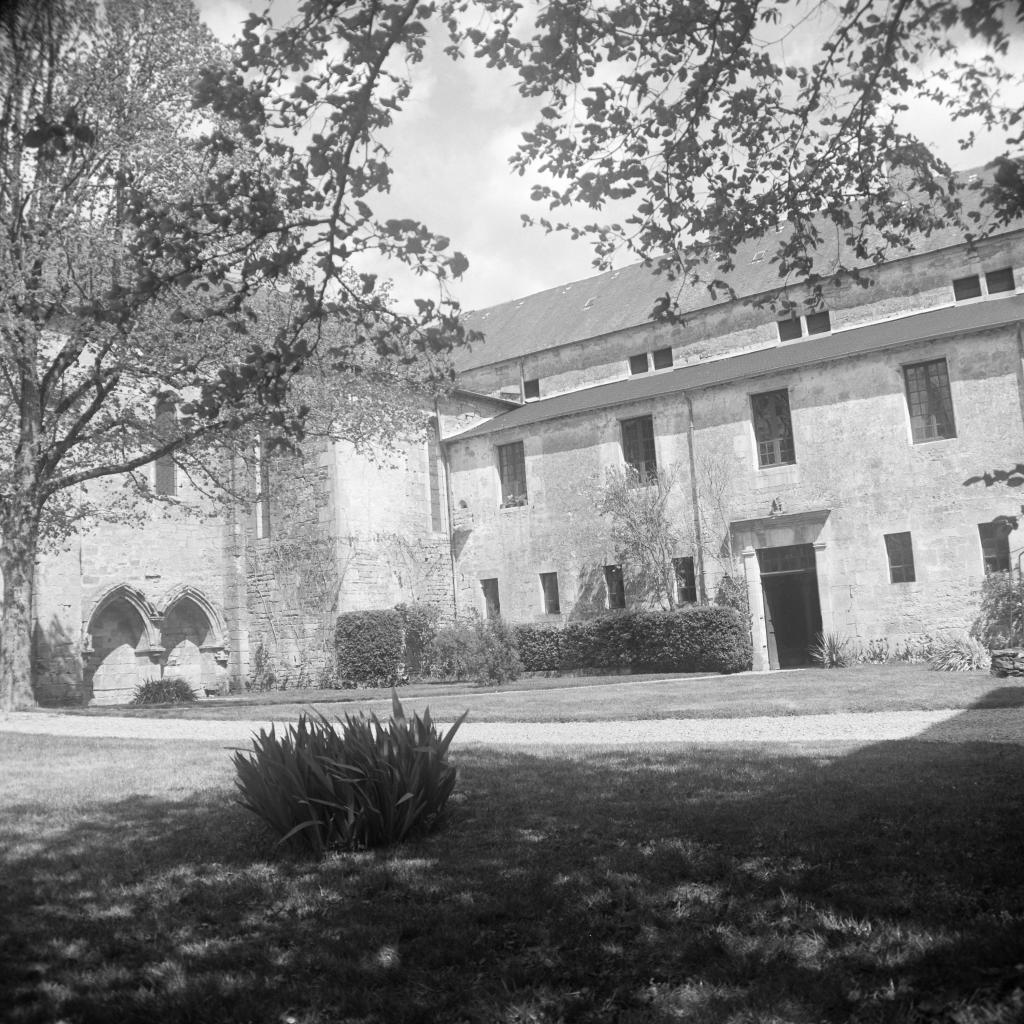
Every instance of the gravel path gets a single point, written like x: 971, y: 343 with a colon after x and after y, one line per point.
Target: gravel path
x: 1004, y: 725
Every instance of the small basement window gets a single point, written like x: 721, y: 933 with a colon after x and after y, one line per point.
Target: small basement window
x: 531, y: 389
x: 662, y: 358
x: 638, y: 364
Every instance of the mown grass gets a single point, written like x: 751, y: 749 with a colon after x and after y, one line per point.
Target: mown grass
x: 893, y: 687
x: 754, y: 885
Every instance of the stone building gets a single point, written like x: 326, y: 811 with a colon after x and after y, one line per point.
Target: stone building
x: 817, y: 460
x: 820, y: 459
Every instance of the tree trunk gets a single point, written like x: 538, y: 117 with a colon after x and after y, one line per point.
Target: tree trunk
x: 18, y: 563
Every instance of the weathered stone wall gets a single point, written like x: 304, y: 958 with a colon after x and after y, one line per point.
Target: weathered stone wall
x: 855, y: 460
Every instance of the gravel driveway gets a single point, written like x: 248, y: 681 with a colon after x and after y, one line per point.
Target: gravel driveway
x: 1002, y: 725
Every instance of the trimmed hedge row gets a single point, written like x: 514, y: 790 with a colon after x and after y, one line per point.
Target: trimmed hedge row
x: 369, y: 646
x: 704, y: 638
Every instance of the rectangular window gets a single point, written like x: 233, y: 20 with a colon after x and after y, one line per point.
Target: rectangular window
x: 615, y: 586
x: 165, y: 478
x: 790, y: 329
x: 262, y: 474
x: 995, y: 546
x: 999, y: 281
x: 434, y: 481
x: 686, y: 580
x: 966, y: 288
x: 773, y: 428
x: 492, y: 606
x: 549, y: 590
x: 638, y: 364
x: 662, y: 358
x: 512, y: 470
x: 638, y: 448
x: 531, y: 388
x: 901, y: 557
x: 819, y: 323
x: 929, y: 401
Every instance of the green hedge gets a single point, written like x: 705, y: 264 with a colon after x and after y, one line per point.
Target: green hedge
x: 369, y: 646
x: 694, y: 639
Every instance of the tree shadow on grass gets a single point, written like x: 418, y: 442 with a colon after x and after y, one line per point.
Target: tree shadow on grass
x: 760, y: 883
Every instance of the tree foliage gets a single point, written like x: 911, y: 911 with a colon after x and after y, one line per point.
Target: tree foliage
x: 644, y: 531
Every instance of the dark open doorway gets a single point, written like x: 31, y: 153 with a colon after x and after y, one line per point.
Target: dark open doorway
x: 792, y: 610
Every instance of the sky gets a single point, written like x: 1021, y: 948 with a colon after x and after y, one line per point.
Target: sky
x: 450, y: 150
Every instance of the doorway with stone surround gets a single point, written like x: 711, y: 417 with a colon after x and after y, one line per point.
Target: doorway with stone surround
x: 789, y: 582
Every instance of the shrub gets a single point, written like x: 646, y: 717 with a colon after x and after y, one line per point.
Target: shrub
x: 368, y: 646
x: 732, y: 593
x: 876, y: 652
x: 167, y: 690
x: 1000, y: 621
x: 693, y: 639
x: 539, y: 647
x: 915, y: 650
x: 959, y: 653
x: 419, y: 626
x: 831, y: 650
x: 320, y: 787
x: 484, y: 651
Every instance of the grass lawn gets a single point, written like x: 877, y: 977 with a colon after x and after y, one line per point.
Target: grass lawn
x: 895, y: 687
x: 754, y: 885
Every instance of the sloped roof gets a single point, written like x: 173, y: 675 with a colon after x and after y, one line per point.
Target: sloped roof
x: 620, y: 299
x: 931, y: 325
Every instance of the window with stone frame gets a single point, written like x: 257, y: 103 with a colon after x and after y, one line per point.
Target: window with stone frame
x: 549, y: 592
x: 773, y: 428
x: 638, y: 448
x: 512, y: 471
x: 995, y: 546
x: 929, y: 401
x: 492, y: 602
x: 686, y: 580
x: 900, y: 550
x: 165, y: 474
x: 615, y: 586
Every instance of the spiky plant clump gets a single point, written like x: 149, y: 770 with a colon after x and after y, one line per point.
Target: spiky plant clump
x: 352, y: 785
x: 876, y: 652
x: 959, y: 653
x: 915, y: 650
x: 167, y: 690
x: 830, y: 650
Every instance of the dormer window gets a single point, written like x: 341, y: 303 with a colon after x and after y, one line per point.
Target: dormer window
x: 531, y: 389
x: 639, y: 363
x: 662, y: 358
x: 796, y: 326
x: 995, y: 282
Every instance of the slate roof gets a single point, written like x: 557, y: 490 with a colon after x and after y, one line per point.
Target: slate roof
x: 620, y: 299
x: 948, y: 321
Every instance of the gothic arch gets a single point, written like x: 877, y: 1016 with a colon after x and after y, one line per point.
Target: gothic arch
x: 194, y: 640
x: 121, y: 645
x: 218, y: 628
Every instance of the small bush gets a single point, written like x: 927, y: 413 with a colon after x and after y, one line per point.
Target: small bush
x: 1000, y: 621
x: 369, y: 646
x: 419, y: 626
x: 830, y: 650
x: 484, y: 651
x: 167, y: 690
x: 539, y: 647
x: 876, y: 652
x: 959, y: 653
x: 359, y: 786
x: 915, y: 650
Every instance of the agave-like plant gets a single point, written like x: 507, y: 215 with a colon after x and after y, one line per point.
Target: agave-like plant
x: 362, y: 785
x: 959, y: 652
x: 831, y: 650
